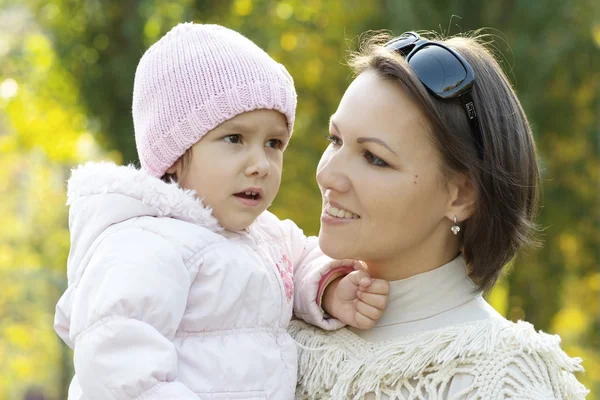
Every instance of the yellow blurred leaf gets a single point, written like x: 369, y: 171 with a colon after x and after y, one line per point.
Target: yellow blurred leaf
x: 570, y: 322
x: 498, y: 298
x: 23, y: 368
x: 242, y: 7
x: 288, y: 41
x: 284, y: 10
x: 596, y: 34
x: 18, y: 335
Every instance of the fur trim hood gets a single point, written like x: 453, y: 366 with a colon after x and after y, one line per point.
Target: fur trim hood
x: 104, y: 194
x: 159, y: 198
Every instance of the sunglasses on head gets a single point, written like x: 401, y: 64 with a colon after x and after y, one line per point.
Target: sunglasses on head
x: 444, y: 72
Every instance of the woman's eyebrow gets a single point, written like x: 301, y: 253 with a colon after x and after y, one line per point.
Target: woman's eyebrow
x: 375, y: 140
x: 363, y: 139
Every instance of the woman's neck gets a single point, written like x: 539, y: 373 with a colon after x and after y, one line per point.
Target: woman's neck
x: 405, y: 263
x: 431, y: 300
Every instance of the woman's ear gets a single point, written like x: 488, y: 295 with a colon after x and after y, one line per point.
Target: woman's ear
x: 462, y: 197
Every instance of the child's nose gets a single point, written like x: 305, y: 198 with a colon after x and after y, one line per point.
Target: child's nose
x: 258, y: 165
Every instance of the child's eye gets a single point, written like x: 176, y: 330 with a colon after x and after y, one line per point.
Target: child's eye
x: 275, y: 144
x: 235, y: 138
x: 374, y: 160
x: 336, y: 141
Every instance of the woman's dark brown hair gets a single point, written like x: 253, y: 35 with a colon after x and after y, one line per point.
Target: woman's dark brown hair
x: 506, y: 180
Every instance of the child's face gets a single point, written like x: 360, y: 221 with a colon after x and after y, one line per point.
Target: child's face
x: 236, y: 167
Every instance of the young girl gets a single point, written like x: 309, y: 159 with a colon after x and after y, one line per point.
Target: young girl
x: 170, y: 299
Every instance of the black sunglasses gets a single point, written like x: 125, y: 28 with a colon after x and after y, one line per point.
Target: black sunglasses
x: 443, y: 71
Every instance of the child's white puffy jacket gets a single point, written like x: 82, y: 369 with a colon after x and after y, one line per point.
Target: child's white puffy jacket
x: 163, y: 303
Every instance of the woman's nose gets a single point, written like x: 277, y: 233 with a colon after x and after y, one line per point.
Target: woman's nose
x: 331, y: 172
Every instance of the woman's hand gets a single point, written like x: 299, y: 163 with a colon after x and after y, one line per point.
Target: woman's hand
x: 356, y: 299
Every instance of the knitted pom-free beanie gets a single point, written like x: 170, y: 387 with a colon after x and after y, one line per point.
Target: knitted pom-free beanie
x: 195, y: 78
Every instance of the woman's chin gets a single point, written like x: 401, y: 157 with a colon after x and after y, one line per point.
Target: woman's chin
x: 335, y: 247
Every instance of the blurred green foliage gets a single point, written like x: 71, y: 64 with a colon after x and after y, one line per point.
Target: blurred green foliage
x: 66, y: 79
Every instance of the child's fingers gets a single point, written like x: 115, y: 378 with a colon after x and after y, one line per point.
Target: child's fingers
x: 357, y: 265
x: 360, y: 278
x: 364, y: 322
x: 368, y: 311
x: 344, y: 263
x: 360, y: 266
x: 376, y: 300
x: 378, y: 286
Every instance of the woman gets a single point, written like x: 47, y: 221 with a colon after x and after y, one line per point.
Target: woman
x: 431, y: 178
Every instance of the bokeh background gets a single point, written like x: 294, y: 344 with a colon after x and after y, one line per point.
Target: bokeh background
x: 66, y: 77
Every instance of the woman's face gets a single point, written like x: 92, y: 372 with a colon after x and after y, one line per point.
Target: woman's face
x: 384, y: 200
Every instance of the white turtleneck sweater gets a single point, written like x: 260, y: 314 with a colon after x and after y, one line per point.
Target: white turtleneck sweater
x: 437, y: 339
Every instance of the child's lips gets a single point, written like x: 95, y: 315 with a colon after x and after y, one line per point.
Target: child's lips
x: 251, y: 190
x: 249, y: 194
x: 248, y: 200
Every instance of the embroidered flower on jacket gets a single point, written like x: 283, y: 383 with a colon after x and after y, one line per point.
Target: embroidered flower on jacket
x: 286, y: 270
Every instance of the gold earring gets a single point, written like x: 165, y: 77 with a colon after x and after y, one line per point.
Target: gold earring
x: 455, y: 228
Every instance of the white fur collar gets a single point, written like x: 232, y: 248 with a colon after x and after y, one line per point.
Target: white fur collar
x: 168, y: 199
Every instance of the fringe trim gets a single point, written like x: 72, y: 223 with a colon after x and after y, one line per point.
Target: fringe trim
x: 340, y: 364
x: 169, y: 200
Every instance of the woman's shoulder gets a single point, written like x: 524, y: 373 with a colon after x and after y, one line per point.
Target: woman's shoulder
x: 497, y: 355
x: 518, y: 361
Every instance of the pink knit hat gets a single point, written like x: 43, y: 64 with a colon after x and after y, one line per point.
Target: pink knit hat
x: 195, y: 78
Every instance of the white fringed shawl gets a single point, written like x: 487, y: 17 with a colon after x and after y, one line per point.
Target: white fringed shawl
x: 505, y: 359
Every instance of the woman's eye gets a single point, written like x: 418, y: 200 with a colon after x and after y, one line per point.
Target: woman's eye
x: 235, y: 139
x: 374, y: 160
x: 333, y: 139
x: 275, y: 144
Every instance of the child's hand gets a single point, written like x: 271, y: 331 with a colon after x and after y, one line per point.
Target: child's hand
x: 356, y: 299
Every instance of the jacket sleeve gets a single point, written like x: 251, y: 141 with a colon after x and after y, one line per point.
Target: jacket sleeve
x: 312, y: 271
x: 126, y: 309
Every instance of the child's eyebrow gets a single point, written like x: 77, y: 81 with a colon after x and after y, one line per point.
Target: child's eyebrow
x: 281, y: 132
x: 233, y: 125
